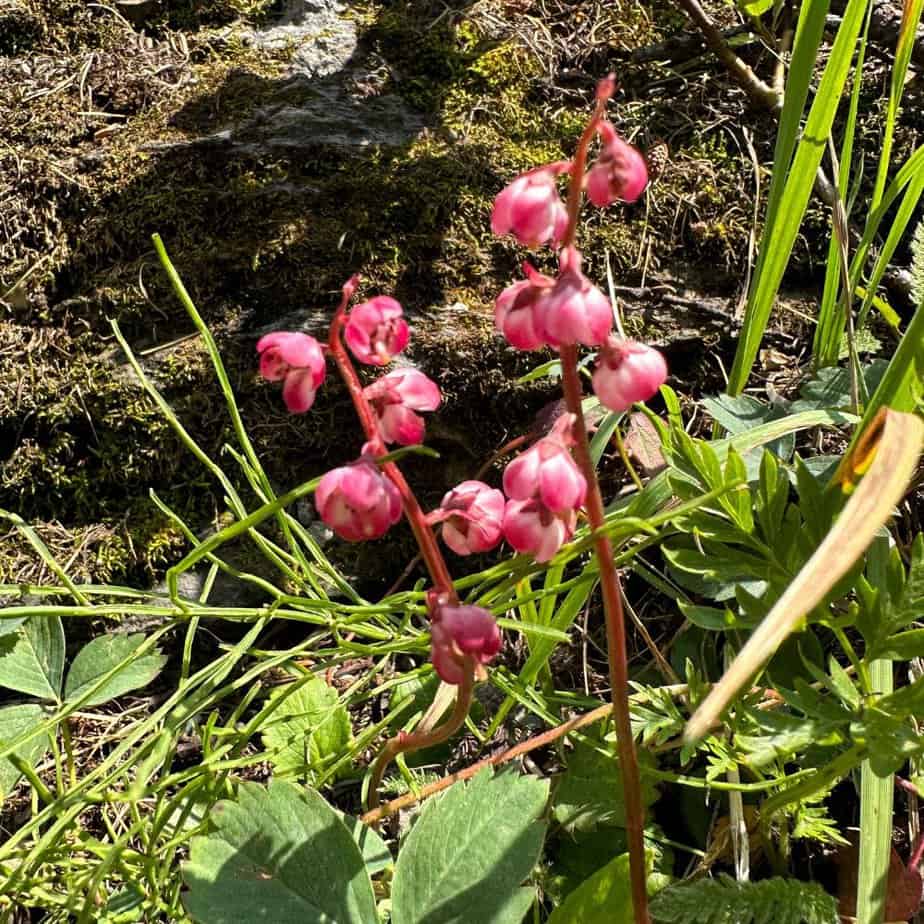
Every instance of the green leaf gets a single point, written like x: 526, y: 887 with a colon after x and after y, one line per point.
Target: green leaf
x: 309, y: 727
x: 589, y: 792
x: 32, y: 660
x: 376, y: 854
x: 754, y: 7
x: 14, y: 721
x: 104, y: 654
x: 602, y: 899
x: 279, y: 854
x: 470, y: 851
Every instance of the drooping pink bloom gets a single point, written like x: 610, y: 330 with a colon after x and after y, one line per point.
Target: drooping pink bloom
x: 573, y: 310
x: 457, y: 632
x: 472, y: 515
x: 376, y: 330
x: 547, y: 471
x: 515, y: 311
x: 529, y: 526
x: 531, y: 209
x: 298, y: 360
x: 357, y: 501
x: 394, y: 398
x: 627, y: 372
x: 619, y: 174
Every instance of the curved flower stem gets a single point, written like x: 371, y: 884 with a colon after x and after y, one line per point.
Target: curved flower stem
x: 426, y: 540
x: 615, y: 641
x: 403, y: 742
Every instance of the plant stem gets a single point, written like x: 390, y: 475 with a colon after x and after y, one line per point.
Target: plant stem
x: 426, y: 540
x: 403, y: 742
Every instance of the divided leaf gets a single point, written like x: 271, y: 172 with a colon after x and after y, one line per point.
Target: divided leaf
x: 279, y: 854
x: 470, y: 851
x: 102, y: 655
x: 32, y: 660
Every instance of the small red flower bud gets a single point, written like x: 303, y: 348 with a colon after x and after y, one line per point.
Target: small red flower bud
x: 457, y: 632
x: 376, y: 331
x: 472, y: 514
x: 515, y: 311
x: 529, y: 526
x: 298, y: 360
x: 574, y: 310
x: 394, y: 398
x: 627, y: 372
x: 531, y: 209
x: 357, y: 501
x: 620, y: 173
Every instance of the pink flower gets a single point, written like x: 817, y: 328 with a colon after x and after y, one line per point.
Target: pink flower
x: 298, y: 360
x: 530, y: 208
x: 529, y: 526
x: 457, y: 632
x: 394, y: 398
x: 376, y: 331
x: 627, y: 372
x: 620, y: 172
x: 515, y: 311
x: 547, y: 471
x: 574, y: 310
x: 472, y: 514
x: 357, y: 501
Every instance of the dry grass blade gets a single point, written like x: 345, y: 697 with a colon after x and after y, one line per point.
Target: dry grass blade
x: 870, y: 505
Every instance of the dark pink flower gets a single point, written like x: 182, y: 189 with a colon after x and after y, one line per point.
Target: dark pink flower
x: 620, y: 172
x: 394, y: 398
x: 573, y: 310
x: 298, y: 360
x: 627, y: 372
x: 529, y: 526
x: 515, y: 311
x: 531, y: 209
x: 457, y: 632
x: 376, y: 330
x: 547, y: 471
x: 472, y: 514
x: 357, y: 501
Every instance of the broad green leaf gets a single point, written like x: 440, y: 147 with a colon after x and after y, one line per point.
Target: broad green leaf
x: 376, y: 854
x: 32, y: 660
x: 104, y: 654
x: 602, y: 899
x: 309, y: 727
x: 279, y: 854
x: 754, y: 8
x: 470, y: 851
x: 14, y: 720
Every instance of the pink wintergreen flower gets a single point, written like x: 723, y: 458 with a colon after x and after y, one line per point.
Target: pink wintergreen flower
x: 627, y: 372
x: 529, y: 526
x: 357, y: 501
x: 515, y: 310
x: 394, y: 398
x: 574, y: 310
x: 376, y: 330
x: 620, y: 172
x: 298, y: 360
x: 472, y: 514
x: 531, y: 209
x: 457, y: 632
x: 547, y: 471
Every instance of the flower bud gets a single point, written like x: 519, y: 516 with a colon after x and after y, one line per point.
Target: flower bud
x: 515, y: 311
x: 394, y: 398
x: 627, y: 372
x: 620, y: 172
x: 529, y: 526
x: 357, y: 501
x: 457, y: 632
x: 574, y: 310
x: 531, y: 209
x: 298, y: 360
x: 376, y: 331
x: 547, y: 471
x: 472, y: 515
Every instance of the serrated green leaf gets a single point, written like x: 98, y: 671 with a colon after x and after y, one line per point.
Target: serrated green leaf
x: 470, y: 851
x: 279, y: 854
x: 602, y: 899
x: 32, y: 660
x: 14, y: 721
x: 309, y: 727
x: 102, y: 655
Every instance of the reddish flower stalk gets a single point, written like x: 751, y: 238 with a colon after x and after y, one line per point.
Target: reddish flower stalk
x: 609, y: 576
x: 432, y: 556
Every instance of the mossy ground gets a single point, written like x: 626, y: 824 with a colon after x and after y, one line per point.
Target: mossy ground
x: 259, y: 236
